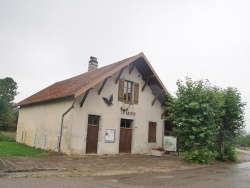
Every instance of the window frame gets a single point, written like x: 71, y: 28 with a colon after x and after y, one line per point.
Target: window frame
x: 128, y: 123
x: 128, y: 91
x: 152, y: 132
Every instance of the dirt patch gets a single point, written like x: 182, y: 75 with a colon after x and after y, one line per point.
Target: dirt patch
x: 90, y: 165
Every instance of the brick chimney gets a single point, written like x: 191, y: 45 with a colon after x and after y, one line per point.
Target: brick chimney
x: 93, y: 64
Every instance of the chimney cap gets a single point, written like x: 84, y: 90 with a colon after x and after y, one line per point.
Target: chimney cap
x: 93, y: 58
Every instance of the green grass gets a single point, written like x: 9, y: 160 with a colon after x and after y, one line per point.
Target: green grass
x: 19, y: 149
x: 7, y: 136
x: 9, y: 146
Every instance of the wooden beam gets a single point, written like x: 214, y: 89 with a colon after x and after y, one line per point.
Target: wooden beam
x: 119, y: 75
x: 156, y: 96
x: 103, y: 84
x: 131, y: 69
x: 84, y: 97
x: 146, y: 81
x: 142, y: 89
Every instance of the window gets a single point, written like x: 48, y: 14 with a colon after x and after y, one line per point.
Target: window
x: 126, y: 123
x: 128, y: 91
x: 152, y: 132
x: 93, y: 120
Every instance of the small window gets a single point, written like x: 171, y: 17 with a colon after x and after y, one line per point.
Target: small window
x: 93, y: 120
x: 126, y: 123
x: 127, y: 93
x: 152, y: 132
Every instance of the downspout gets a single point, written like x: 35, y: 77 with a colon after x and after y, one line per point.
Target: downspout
x: 60, y: 136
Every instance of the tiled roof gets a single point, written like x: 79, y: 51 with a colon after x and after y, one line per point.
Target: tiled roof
x: 77, y: 85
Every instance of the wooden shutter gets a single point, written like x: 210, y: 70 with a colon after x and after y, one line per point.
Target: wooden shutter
x: 121, y: 90
x: 152, y: 132
x: 136, y: 93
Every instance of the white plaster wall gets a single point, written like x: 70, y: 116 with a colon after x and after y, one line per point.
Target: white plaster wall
x: 110, y: 117
x: 41, y: 123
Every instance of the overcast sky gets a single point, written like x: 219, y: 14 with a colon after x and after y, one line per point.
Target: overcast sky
x: 42, y: 42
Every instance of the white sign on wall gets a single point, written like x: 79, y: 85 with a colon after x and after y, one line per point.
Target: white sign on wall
x: 109, y: 135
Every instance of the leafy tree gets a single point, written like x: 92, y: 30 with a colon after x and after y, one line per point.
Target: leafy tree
x: 243, y: 139
x: 232, y: 121
x: 8, y: 91
x: 193, y: 111
x: 202, y: 114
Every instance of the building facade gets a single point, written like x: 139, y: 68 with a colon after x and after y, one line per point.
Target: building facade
x: 109, y: 110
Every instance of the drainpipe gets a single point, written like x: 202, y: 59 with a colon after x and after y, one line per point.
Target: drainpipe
x: 60, y: 136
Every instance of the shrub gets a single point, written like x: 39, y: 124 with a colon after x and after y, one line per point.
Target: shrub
x: 200, y: 156
x: 6, y: 138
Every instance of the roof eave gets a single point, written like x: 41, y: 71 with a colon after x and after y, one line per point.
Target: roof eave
x: 45, y: 100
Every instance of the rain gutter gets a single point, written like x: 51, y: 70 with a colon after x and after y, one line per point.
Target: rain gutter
x: 60, y: 136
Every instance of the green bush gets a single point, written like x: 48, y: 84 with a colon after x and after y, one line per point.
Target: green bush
x: 6, y: 138
x: 200, y: 156
x: 229, y: 154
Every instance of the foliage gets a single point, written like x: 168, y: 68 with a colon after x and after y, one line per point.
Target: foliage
x: 8, y: 91
x: 19, y: 149
x: 232, y: 121
x: 7, y: 137
x: 243, y: 139
x: 203, y: 155
x: 207, y: 119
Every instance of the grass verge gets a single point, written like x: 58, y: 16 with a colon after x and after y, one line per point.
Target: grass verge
x: 19, y: 149
x: 9, y: 147
x: 7, y: 136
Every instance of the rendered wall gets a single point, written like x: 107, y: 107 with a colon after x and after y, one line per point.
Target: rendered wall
x: 39, y: 125
x: 110, y: 117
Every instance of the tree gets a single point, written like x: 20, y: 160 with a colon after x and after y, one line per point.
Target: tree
x: 8, y: 91
x: 232, y: 121
x: 201, y: 113
x: 243, y: 139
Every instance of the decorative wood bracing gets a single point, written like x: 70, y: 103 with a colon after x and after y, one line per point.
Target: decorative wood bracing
x: 146, y: 81
x: 156, y: 93
x: 119, y: 75
x: 152, y: 132
x: 103, y: 84
x: 121, y: 90
x: 132, y: 67
x: 136, y: 93
x: 84, y: 97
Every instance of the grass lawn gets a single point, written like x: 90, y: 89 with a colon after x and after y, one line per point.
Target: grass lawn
x: 8, y: 146
x: 7, y: 136
x: 19, y: 149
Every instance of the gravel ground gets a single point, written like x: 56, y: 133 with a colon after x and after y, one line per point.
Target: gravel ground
x: 90, y: 165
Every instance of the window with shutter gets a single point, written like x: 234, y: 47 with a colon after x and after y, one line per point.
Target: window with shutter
x: 152, y: 132
x: 136, y: 93
x: 128, y: 91
x: 121, y: 90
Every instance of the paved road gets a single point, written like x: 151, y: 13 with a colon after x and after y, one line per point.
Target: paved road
x: 228, y: 176
x: 225, y: 176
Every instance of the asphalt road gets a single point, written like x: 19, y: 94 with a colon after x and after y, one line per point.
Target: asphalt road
x: 229, y: 176
x: 225, y: 176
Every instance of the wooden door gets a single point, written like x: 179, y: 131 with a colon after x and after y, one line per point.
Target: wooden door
x: 125, y: 140
x: 92, y: 138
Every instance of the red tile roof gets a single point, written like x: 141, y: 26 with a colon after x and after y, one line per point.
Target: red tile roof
x: 77, y: 85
